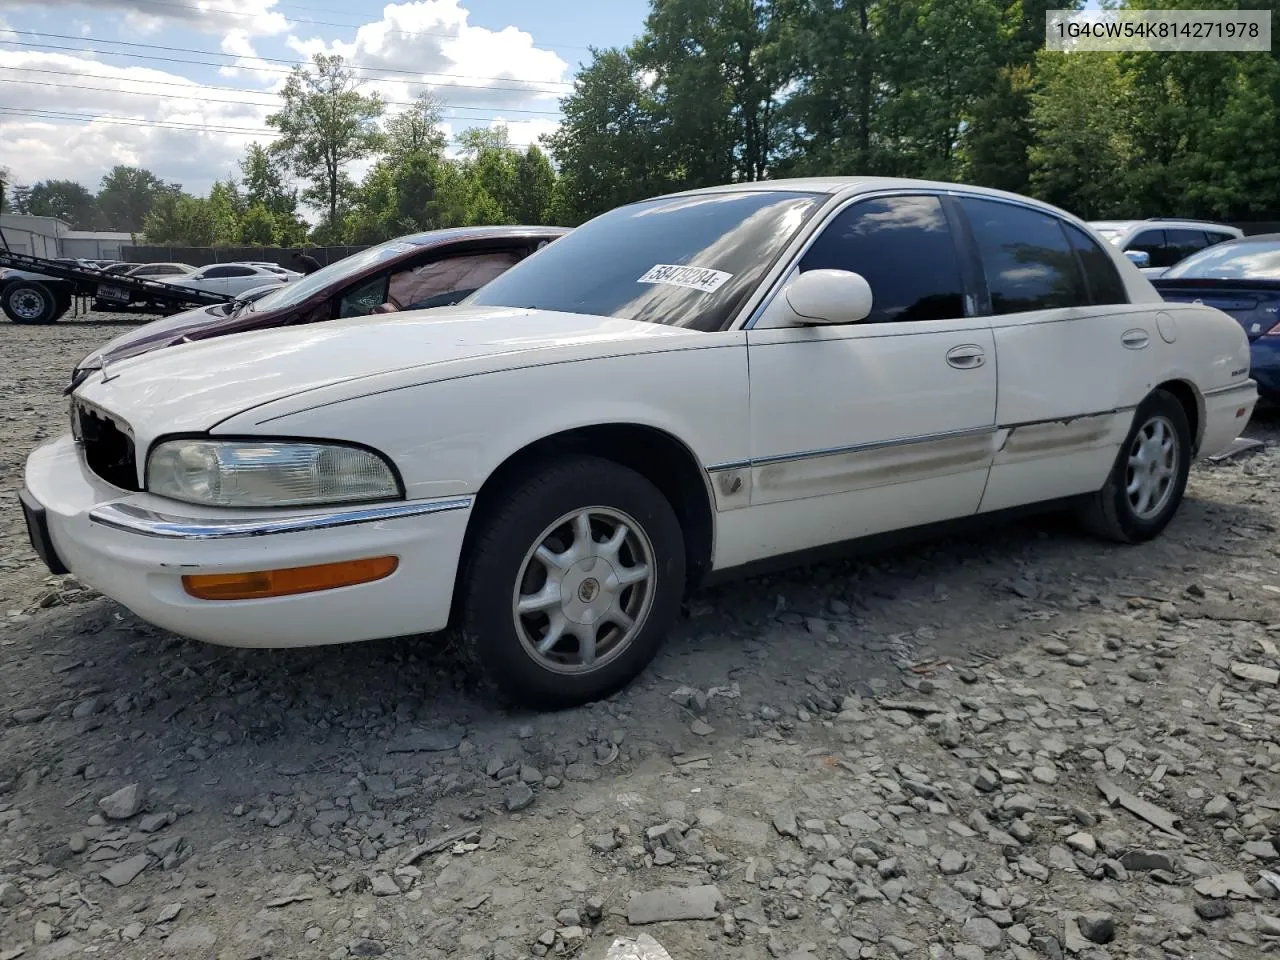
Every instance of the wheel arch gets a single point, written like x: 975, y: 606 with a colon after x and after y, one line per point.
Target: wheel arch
x: 656, y: 454
x: 1192, y: 403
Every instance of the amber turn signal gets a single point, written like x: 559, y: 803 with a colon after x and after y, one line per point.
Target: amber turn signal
x: 282, y: 583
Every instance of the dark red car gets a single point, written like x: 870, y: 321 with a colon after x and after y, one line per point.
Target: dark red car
x: 431, y: 269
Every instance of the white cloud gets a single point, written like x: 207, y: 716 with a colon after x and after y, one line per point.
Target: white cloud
x: 42, y: 143
x: 255, y: 17
x: 426, y: 38
x: 430, y: 43
x: 238, y: 44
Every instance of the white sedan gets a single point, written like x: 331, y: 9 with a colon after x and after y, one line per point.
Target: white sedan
x: 677, y: 389
x: 232, y: 278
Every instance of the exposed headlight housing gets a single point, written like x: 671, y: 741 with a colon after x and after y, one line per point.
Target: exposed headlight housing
x: 269, y: 473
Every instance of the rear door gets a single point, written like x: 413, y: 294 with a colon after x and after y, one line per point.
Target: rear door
x: 1072, y: 353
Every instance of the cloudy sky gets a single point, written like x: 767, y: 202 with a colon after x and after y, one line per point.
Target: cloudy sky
x: 182, y: 86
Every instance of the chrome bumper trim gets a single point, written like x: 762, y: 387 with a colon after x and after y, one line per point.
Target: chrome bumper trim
x: 148, y: 523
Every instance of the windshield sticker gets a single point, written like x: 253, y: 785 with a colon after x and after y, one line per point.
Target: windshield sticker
x: 695, y: 278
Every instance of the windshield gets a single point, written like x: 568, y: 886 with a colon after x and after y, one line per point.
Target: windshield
x: 291, y: 294
x: 682, y: 261
x: 1235, y: 261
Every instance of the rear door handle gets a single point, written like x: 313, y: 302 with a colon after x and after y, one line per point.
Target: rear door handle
x: 1135, y: 339
x: 967, y: 356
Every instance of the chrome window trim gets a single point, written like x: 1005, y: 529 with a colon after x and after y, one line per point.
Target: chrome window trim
x: 149, y: 523
x: 773, y: 285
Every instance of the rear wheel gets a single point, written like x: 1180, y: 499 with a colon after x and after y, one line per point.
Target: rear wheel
x: 1149, y: 476
x: 28, y: 301
x: 573, y: 581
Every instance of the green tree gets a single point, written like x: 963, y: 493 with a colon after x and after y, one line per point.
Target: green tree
x: 716, y: 76
x: 325, y: 123
x: 180, y: 219
x: 258, y: 227
x: 608, y: 146
x: 416, y: 129
x: 127, y: 194
x: 64, y: 199
x: 226, y: 208
x: 1081, y: 150
x: 535, y: 184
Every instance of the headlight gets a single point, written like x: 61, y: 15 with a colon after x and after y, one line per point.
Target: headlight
x: 224, y: 473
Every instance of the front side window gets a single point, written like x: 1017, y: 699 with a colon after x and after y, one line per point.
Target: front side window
x: 215, y: 273
x: 904, y: 248
x: 364, y: 298
x: 417, y: 287
x: 684, y: 261
x: 1028, y: 263
x: 1150, y: 242
x: 1100, y: 273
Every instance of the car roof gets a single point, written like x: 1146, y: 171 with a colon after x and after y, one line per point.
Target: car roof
x: 1158, y: 222
x: 833, y: 186
x: 501, y: 231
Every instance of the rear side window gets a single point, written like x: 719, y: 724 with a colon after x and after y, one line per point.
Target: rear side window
x: 1213, y: 237
x: 1100, y: 273
x: 904, y: 248
x: 1028, y: 263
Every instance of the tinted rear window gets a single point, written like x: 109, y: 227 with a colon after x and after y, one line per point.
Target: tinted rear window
x: 1026, y: 258
x: 1105, y: 285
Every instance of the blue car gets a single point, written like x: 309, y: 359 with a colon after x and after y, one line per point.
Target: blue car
x: 1242, y: 278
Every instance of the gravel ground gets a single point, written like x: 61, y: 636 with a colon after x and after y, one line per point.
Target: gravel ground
x: 1021, y: 745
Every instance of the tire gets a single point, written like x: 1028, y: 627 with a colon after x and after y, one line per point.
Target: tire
x: 29, y: 302
x: 1113, y: 513
x: 502, y: 565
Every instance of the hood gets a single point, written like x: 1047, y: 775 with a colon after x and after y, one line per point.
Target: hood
x: 197, y: 323
x: 194, y: 386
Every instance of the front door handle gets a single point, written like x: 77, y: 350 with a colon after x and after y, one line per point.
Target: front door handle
x: 968, y: 356
x: 1135, y: 339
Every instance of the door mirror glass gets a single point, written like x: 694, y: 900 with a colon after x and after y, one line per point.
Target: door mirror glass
x: 1140, y: 258
x: 829, y: 296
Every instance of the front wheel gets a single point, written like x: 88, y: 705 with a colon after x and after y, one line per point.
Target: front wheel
x: 29, y: 302
x: 573, y: 580
x: 1149, y: 476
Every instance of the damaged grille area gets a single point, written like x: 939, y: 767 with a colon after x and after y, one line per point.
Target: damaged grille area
x: 108, y: 450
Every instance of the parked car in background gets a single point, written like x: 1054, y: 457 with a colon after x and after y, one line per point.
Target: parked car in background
x: 229, y: 278
x: 110, y: 297
x: 1165, y: 240
x: 1241, y: 278
x: 273, y: 267
x: 680, y: 387
x: 426, y: 269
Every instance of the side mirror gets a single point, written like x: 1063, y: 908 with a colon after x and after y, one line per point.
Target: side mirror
x: 829, y: 296
x: 1140, y: 258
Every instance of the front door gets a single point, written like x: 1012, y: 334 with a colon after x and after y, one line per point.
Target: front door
x: 887, y: 423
